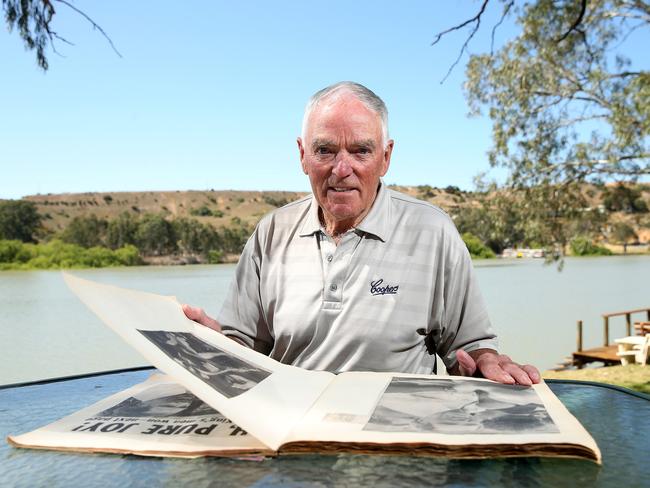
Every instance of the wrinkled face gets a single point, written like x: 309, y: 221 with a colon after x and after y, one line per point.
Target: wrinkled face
x: 344, y: 155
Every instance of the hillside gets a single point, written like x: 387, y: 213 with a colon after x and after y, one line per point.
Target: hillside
x: 224, y: 208
x: 217, y: 208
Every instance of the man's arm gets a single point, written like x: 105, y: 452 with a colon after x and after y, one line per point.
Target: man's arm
x: 486, y: 363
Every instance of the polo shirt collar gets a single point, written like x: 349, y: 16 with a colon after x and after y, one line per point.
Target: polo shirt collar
x: 311, y: 224
x: 377, y: 222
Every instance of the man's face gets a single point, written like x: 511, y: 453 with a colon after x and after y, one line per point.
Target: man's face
x: 344, y: 156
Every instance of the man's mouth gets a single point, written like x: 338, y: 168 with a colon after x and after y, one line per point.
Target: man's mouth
x: 340, y: 189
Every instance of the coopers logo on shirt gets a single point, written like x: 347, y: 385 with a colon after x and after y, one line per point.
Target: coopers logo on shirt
x: 377, y: 287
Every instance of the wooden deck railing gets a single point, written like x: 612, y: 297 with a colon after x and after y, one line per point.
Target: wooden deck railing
x: 628, y: 321
x: 606, y: 316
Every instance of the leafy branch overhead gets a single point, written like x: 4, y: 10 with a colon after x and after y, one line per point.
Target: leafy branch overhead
x: 33, y: 20
x: 563, y: 97
x: 566, y: 100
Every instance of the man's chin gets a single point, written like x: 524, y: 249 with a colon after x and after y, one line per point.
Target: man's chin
x: 342, y: 212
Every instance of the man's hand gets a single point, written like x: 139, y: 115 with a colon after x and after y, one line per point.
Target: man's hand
x: 493, y: 366
x: 198, y: 315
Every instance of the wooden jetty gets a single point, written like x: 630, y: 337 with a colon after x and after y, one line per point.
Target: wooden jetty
x: 607, y: 353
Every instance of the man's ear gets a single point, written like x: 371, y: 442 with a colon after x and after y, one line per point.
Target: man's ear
x: 388, y: 151
x: 301, y: 150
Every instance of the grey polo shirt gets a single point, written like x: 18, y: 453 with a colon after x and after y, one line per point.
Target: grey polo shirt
x: 366, y: 304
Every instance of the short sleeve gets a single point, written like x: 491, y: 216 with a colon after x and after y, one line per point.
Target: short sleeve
x: 465, y: 321
x: 242, y: 316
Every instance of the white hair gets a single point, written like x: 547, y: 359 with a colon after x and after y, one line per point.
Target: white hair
x: 363, y: 94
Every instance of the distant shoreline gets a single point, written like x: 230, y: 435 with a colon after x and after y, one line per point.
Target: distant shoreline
x: 191, y: 260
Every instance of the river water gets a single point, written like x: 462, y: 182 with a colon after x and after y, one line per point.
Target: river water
x: 45, y: 332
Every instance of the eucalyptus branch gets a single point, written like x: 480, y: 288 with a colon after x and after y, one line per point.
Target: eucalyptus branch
x: 475, y: 20
x: 578, y: 120
x: 603, y: 165
x: 576, y: 23
x: 625, y: 74
x: 92, y: 22
x: 504, y: 14
x: 624, y: 15
x: 569, y: 76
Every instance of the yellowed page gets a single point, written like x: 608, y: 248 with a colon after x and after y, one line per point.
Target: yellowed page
x: 155, y: 418
x: 261, y: 395
x: 387, y: 408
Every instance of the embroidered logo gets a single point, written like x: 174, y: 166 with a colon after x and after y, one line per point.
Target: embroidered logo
x: 377, y: 287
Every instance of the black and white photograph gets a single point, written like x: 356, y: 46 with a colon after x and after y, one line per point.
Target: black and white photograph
x: 227, y: 374
x: 160, y: 401
x: 440, y: 406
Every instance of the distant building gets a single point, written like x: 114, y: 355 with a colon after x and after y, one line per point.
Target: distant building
x: 523, y: 252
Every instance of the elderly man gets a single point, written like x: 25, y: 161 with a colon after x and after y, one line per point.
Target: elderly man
x: 358, y: 276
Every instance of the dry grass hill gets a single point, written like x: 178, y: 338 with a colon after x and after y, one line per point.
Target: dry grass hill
x: 223, y: 208
x: 215, y: 207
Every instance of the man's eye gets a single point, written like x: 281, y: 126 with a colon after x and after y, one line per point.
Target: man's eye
x: 323, y: 150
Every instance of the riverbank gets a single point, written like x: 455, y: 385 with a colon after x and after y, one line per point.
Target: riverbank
x: 18, y: 256
x: 633, y: 376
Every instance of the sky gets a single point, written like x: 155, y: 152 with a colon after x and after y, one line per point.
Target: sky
x: 210, y: 94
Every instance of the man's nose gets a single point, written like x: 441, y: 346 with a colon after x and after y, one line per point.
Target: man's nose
x: 342, y: 167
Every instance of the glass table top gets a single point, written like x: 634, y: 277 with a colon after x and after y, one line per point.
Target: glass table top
x: 618, y: 420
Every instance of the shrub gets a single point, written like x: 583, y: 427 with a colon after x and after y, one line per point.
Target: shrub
x: 57, y: 254
x: 453, y: 190
x: 14, y: 251
x: 205, y: 211
x: 215, y: 256
x: 476, y: 248
x: 426, y: 191
x: 275, y: 202
x: 583, y: 246
x: 128, y: 255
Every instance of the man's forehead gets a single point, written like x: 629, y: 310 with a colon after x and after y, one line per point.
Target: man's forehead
x: 328, y: 141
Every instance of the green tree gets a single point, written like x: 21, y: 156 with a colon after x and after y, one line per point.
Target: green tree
x: 497, y: 221
x: 566, y: 103
x: 19, y: 220
x: 195, y: 237
x: 623, y: 233
x: 122, y: 230
x: 562, y: 97
x: 234, y: 237
x: 156, y: 236
x: 86, y: 232
x: 624, y: 198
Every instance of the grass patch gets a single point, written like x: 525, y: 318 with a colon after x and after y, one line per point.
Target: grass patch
x: 633, y: 376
